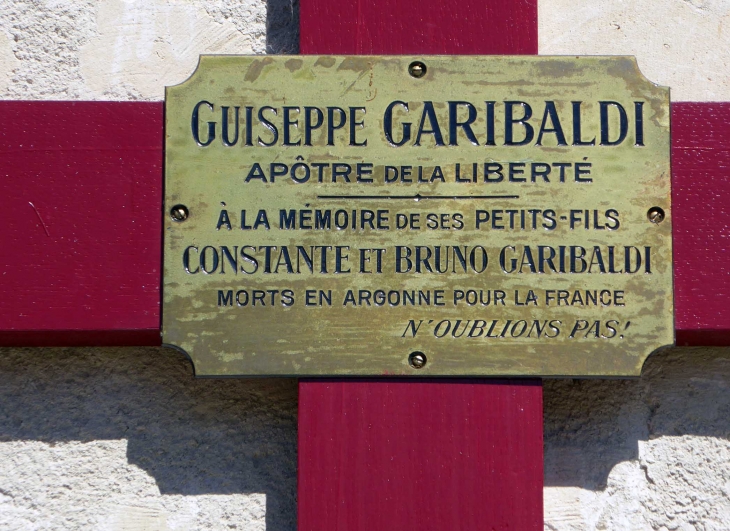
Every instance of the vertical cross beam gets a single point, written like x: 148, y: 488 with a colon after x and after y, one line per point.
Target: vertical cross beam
x: 384, y: 454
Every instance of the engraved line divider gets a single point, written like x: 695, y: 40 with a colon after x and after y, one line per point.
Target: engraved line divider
x: 417, y: 197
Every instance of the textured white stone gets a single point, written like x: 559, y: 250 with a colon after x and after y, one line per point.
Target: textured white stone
x: 46, y: 37
x: 119, y: 49
x: 680, y: 43
x: 648, y: 454
x: 8, y: 62
x: 140, y: 46
x: 75, y: 485
x: 127, y: 439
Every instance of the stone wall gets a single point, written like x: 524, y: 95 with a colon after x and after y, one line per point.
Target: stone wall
x: 127, y: 439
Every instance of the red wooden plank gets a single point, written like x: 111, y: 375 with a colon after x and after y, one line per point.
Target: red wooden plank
x: 701, y: 235
x: 81, y: 223
x: 418, y: 27
x: 92, y: 170
x: 385, y: 455
x: 429, y: 455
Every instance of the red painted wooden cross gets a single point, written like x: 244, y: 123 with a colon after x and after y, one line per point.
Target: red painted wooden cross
x: 81, y: 249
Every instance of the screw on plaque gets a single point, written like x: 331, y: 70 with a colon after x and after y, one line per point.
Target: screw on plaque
x: 417, y: 69
x: 655, y: 215
x: 417, y: 360
x: 179, y: 213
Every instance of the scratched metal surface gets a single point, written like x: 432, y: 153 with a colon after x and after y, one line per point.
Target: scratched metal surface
x: 529, y: 334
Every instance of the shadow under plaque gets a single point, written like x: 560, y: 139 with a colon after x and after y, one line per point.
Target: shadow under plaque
x: 282, y: 26
x: 592, y: 425
x: 193, y: 436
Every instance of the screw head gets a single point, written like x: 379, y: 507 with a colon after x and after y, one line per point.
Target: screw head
x: 417, y: 360
x: 417, y: 69
x: 655, y: 214
x: 179, y: 213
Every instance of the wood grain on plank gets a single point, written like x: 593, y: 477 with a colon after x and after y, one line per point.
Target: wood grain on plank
x: 80, y: 210
x: 393, y: 27
x: 426, y: 455
x: 701, y: 230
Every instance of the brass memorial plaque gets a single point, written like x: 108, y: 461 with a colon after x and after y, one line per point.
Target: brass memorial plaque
x: 417, y: 216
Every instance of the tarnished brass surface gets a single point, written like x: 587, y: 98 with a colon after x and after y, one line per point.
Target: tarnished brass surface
x: 532, y: 312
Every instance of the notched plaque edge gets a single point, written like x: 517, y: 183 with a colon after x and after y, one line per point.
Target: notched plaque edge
x: 635, y: 63
x: 184, y: 353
